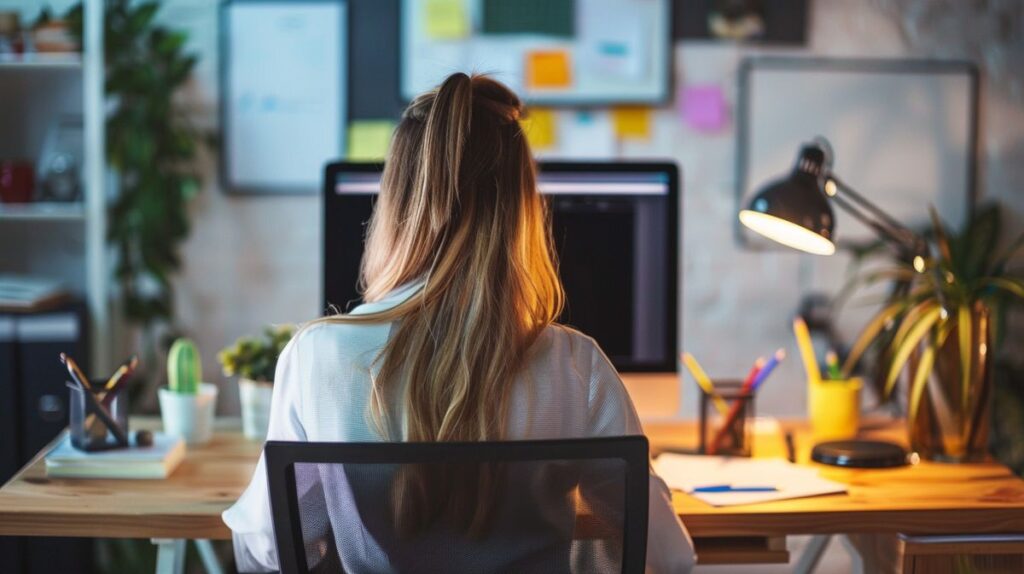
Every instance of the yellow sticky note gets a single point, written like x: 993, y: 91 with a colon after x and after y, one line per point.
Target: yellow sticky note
x: 632, y: 122
x: 445, y: 19
x: 548, y: 69
x: 539, y: 127
x: 368, y: 139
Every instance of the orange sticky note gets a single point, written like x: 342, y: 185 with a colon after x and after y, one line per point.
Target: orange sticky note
x: 548, y: 69
x: 632, y: 122
x: 539, y: 127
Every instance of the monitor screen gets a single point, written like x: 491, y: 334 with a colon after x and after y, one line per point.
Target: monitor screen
x: 615, y: 227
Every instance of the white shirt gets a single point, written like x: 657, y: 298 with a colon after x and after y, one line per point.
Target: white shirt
x: 322, y: 390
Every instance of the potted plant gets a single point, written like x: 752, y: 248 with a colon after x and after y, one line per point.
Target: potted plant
x: 941, y: 330
x: 186, y: 404
x: 254, y: 360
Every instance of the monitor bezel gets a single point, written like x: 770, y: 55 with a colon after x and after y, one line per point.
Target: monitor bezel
x: 673, y: 281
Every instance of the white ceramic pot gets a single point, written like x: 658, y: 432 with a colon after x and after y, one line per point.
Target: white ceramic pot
x: 255, y: 398
x: 189, y: 416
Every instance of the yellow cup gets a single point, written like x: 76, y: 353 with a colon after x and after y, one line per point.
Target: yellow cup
x: 834, y: 409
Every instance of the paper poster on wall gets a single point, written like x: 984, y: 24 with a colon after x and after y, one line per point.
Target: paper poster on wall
x: 551, y: 52
x: 282, y: 93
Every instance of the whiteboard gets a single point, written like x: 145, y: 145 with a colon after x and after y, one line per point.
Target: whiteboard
x: 619, y: 52
x: 283, y: 71
x: 903, y: 133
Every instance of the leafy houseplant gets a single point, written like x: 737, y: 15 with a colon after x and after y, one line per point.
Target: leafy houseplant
x: 942, y: 328
x: 254, y: 360
x: 152, y: 149
x: 187, y: 405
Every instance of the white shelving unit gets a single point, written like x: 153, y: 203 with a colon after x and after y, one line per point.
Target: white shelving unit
x: 61, y: 240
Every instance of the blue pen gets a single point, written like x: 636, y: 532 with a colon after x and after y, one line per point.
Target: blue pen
x: 730, y: 488
x: 769, y: 366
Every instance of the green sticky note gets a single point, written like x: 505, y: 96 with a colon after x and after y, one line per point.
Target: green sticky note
x: 368, y: 139
x: 445, y: 19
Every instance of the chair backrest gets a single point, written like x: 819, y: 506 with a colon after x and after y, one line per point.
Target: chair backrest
x: 573, y: 505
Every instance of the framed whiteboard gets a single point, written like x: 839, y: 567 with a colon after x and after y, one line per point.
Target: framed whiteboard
x: 903, y: 132
x: 283, y: 71
x: 610, y: 51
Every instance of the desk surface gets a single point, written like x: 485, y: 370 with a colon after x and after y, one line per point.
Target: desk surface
x: 923, y: 499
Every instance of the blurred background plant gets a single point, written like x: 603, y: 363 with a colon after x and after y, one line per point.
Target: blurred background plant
x: 151, y: 146
x: 255, y: 358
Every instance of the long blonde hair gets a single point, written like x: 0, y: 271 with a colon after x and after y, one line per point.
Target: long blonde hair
x: 459, y: 210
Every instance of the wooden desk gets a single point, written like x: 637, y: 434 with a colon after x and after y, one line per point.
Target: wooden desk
x: 923, y: 499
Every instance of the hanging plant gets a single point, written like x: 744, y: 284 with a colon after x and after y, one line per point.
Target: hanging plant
x: 152, y: 148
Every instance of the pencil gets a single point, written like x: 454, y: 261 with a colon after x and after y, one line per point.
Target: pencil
x: 767, y: 369
x: 803, y: 341
x: 705, y: 383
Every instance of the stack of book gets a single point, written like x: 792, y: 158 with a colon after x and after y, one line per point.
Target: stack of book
x: 156, y: 461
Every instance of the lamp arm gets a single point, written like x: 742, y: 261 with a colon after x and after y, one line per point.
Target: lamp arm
x: 882, y: 223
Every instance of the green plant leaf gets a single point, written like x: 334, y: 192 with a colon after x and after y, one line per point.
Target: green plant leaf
x: 924, y: 370
x: 964, y: 325
x: 868, y: 334
x: 1012, y: 286
x: 903, y: 348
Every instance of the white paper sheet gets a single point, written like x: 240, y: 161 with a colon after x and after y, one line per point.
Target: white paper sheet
x: 687, y: 472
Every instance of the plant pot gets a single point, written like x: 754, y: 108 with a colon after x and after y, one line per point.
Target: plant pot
x: 951, y: 423
x: 255, y: 398
x: 189, y: 416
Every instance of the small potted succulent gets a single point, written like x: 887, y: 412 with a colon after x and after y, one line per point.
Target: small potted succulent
x: 254, y: 360
x: 186, y: 404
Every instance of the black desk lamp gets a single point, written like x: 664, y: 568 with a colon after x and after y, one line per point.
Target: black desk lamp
x: 796, y: 211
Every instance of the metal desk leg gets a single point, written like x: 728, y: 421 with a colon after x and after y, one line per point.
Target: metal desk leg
x: 170, y: 555
x: 812, y: 554
x: 208, y: 557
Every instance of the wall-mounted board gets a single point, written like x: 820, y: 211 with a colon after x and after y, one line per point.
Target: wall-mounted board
x: 903, y: 132
x: 553, y: 52
x: 282, y: 95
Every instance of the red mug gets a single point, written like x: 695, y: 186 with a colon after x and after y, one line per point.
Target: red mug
x: 17, y: 181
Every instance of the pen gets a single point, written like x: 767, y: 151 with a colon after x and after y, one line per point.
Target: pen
x: 790, y: 447
x: 705, y: 383
x: 832, y: 364
x: 101, y: 411
x: 734, y: 412
x: 767, y: 369
x: 730, y: 488
x: 803, y: 340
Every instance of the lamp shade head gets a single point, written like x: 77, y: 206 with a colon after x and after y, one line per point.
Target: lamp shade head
x: 794, y: 211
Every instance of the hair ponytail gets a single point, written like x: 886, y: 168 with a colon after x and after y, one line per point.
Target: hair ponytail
x: 444, y: 139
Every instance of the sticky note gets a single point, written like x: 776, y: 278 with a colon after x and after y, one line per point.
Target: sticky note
x: 632, y: 122
x: 548, y: 69
x: 445, y: 19
x: 704, y: 108
x: 368, y: 139
x: 539, y: 127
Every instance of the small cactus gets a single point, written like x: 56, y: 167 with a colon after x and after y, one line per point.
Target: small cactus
x: 184, y: 367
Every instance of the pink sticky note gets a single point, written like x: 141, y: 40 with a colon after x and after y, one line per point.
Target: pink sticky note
x: 704, y: 107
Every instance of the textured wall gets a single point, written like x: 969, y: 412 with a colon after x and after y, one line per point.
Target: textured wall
x: 252, y: 261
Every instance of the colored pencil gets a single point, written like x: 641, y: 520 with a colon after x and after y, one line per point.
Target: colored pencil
x: 705, y: 383
x: 803, y: 341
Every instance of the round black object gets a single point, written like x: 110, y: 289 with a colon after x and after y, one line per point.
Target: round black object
x: 860, y: 454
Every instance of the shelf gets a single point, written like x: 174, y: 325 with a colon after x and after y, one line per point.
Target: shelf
x: 43, y: 61
x: 71, y: 211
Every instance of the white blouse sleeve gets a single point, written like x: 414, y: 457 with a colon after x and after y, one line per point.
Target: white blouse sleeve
x: 252, y: 528
x: 669, y: 547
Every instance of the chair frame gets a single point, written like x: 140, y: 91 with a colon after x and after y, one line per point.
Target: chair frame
x: 282, y: 456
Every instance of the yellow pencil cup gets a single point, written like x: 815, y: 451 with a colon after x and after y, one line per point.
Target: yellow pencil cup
x: 834, y: 409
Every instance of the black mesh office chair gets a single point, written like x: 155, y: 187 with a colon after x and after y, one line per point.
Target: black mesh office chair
x: 577, y: 505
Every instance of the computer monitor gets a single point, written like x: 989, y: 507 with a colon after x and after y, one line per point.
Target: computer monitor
x: 616, y: 230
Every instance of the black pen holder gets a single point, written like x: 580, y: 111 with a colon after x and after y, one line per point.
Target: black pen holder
x: 89, y: 431
x: 737, y: 438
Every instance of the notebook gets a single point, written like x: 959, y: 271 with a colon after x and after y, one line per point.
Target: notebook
x: 689, y: 472
x: 157, y: 461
